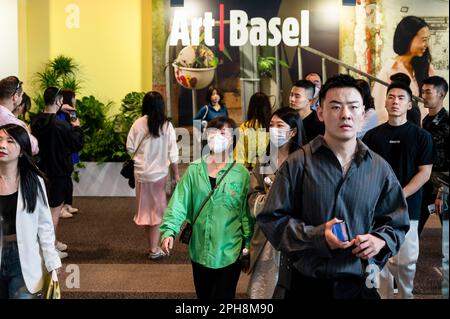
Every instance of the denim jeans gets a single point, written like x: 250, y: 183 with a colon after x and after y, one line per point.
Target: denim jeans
x: 12, y: 284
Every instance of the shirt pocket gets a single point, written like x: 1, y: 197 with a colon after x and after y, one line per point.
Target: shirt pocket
x: 230, y: 194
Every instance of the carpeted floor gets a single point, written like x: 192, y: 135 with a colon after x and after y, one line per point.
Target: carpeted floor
x: 103, y: 232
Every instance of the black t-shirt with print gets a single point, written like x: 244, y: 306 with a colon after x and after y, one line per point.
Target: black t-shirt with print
x: 313, y: 126
x: 405, y: 148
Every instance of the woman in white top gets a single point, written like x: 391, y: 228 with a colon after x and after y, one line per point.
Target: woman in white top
x: 153, y: 140
x: 414, y: 59
x: 27, y: 236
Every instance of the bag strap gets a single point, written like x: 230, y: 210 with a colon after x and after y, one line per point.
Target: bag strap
x: 211, y: 192
x: 206, y: 113
x: 139, y: 145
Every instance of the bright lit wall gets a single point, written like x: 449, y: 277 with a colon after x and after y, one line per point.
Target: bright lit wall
x: 9, y: 52
x: 103, y: 36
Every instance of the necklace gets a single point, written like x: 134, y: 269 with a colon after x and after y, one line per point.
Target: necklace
x: 7, y: 179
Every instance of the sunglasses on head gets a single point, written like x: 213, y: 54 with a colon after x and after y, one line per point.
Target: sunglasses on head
x: 19, y: 84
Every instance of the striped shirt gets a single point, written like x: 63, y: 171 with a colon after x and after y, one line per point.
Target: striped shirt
x: 368, y: 198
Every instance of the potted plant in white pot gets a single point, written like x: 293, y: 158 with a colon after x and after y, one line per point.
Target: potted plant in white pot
x: 195, y: 67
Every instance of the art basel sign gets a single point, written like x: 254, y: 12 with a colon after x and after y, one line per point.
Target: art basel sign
x: 290, y: 31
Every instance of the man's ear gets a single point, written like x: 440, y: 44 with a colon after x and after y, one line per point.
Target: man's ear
x: 410, y: 105
x: 293, y: 132
x: 320, y: 113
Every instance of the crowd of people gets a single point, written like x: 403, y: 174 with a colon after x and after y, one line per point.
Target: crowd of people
x: 305, y: 199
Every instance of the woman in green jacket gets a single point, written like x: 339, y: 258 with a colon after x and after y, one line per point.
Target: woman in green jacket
x: 224, y: 227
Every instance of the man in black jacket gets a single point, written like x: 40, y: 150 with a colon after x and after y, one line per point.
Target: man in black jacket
x: 332, y: 179
x: 434, y: 90
x: 57, y: 140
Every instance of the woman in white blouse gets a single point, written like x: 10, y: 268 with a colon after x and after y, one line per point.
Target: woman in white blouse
x: 153, y: 140
x: 27, y: 236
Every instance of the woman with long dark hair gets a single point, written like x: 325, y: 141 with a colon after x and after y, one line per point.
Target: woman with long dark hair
x: 286, y: 137
x: 413, y: 58
x: 152, y: 140
x: 253, y: 137
x: 27, y: 243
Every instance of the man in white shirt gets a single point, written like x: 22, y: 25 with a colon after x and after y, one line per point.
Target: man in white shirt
x: 11, y: 93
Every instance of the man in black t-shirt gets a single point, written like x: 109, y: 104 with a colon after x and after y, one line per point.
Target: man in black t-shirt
x: 409, y: 150
x: 300, y: 99
x: 57, y: 141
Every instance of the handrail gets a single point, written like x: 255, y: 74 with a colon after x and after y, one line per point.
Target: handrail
x: 349, y: 67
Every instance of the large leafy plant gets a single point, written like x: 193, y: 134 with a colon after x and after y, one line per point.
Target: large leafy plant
x: 60, y: 72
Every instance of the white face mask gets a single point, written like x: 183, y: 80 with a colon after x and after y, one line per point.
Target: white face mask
x: 217, y: 143
x: 279, y: 136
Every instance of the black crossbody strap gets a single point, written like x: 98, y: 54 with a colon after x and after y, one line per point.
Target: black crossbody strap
x: 211, y: 192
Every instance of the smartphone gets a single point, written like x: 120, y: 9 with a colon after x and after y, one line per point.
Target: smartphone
x: 73, y: 115
x: 340, y: 231
x: 431, y: 209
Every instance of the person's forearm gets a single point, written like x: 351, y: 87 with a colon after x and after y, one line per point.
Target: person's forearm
x: 416, y: 183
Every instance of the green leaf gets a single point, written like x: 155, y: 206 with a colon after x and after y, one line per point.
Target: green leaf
x: 283, y: 63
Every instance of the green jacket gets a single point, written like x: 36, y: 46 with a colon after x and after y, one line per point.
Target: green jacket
x: 223, y: 224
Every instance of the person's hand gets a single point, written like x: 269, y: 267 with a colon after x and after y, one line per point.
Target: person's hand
x: 368, y: 246
x: 177, y: 178
x: 167, y: 245
x: 75, y: 122
x: 332, y: 241
x: 438, y: 204
x: 66, y: 108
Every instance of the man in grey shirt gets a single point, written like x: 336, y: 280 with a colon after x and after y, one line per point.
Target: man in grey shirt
x: 343, y: 181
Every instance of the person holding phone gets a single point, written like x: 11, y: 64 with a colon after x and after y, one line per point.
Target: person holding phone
x: 69, y: 114
x: 325, y: 183
x: 57, y: 139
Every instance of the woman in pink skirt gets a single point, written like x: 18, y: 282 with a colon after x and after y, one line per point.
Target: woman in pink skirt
x: 152, y: 139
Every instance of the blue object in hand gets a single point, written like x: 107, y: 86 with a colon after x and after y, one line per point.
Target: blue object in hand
x: 340, y: 231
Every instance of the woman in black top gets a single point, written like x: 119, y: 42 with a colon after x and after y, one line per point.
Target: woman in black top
x: 26, y: 228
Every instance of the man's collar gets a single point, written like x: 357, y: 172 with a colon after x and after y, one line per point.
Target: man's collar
x: 362, y: 149
x: 6, y: 110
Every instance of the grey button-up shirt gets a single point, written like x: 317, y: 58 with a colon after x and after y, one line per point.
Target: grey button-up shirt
x: 310, y: 190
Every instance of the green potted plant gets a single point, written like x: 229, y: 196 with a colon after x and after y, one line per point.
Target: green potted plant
x: 195, y: 66
x: 266, y: 67
x: 60, y: 72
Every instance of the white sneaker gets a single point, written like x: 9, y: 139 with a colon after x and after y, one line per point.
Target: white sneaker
x: 71, y: 209
x: 65, y: 214
x: 62, y: 254
x: 61, y: 246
